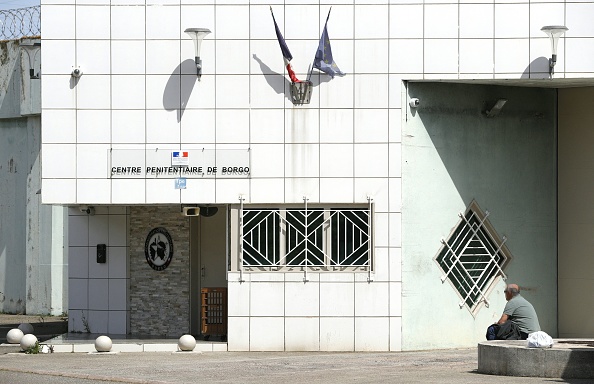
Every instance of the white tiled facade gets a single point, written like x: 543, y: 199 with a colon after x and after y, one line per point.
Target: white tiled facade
x: 139, y: 91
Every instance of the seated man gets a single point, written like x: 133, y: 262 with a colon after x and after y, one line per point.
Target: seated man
x: 521, y: 315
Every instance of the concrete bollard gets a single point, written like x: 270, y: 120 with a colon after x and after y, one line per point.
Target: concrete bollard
x: 14, y: 336
x: 28, y: 341
x: 186, y: 343
x: 103, y: 344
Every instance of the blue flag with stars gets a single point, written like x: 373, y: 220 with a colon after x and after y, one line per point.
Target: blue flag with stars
x: 323, y: 60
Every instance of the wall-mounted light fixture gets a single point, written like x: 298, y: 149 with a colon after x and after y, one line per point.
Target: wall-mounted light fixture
x: 197, y: 35
x: 554, y: 32
x: 76, y: 72
x: 32, y: 49
x: 496, y: 108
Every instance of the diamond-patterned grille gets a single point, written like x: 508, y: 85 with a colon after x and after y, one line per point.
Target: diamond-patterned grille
x: 306, y: 237
x: 473, y: 257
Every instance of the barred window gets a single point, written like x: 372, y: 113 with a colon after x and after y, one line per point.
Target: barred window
x: 322, y: 238
x: 473, y: 257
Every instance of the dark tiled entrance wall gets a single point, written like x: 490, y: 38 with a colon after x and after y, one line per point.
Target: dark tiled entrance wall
x: 159, y: 300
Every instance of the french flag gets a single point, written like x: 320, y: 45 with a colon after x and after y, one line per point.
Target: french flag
x: 180, y: 155
x: 285, y: 50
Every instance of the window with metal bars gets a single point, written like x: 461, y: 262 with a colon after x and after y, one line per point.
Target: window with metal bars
x: 331, y: 238
x: 473, y: 257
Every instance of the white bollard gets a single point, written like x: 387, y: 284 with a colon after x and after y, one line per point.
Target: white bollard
x: 103, y: 344
x: 186, y: 343
x: 14, y: 336
x: 28, y: 341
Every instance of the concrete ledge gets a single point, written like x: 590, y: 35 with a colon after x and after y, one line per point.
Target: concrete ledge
x: 85, y: 343
x: 568, y: 358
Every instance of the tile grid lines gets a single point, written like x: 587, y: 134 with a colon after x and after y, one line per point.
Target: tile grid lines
x: 111, y: 98
x: 284, y: 184
x: 352, y: 106
x: 284, y: 116
x: 354, y: 320
x: 179, y: 124
x: 422, y: 46
x: 215, y: 92
x: 529, y: 35
x: 145, y: 104
x: 75, y: 82
x: 494, y: 29
x: 250, y: 105
x: 373, y: 254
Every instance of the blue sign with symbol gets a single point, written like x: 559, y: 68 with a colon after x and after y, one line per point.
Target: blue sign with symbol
x: 180, y: 183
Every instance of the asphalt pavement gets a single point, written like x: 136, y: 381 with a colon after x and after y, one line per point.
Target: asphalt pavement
x: 442, y: 366
x: 435, y: 366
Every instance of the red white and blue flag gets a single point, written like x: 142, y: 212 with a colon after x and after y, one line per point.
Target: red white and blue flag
x: 180, y: 154
x: 180, y: 158
x: 285, y: 50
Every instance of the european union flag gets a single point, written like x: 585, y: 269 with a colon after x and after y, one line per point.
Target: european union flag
x: 323, y: 60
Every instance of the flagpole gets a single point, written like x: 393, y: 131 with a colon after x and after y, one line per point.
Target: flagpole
x: 314, y: 59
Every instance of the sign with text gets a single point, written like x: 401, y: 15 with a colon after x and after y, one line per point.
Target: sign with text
x: 174, y: 164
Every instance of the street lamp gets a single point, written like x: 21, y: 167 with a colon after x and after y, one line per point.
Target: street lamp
x: 197, y: 35
x: 554, y: 32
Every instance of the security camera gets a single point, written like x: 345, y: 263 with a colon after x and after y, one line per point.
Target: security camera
x: 88, y: 210
x: 414, y: 102
x: 76, y: 72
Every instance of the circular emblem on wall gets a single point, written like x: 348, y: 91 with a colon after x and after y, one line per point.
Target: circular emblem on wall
x: 158, y: 249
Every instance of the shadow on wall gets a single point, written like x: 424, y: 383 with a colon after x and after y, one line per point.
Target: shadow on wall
x: 508, y: 158
x: 453, y: 152
x: 283, y: 87
x: 183, y: 88
x: 178, y: 92
x: 538, y: 69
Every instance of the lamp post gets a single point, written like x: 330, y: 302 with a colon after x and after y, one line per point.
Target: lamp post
x: 197, y: 35
x: 554, y: 32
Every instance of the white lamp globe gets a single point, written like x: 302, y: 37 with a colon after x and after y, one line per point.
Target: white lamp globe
x: 14, y: 336
x: 26, y: 328
x: 186, y: 343
x: 103, y: 344
x: 28, y: 341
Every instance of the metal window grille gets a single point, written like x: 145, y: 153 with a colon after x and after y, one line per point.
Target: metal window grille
x: 319, y: 238
x: 473, y: 257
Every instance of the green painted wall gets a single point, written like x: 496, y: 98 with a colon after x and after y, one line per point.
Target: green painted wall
x: 452, y: 154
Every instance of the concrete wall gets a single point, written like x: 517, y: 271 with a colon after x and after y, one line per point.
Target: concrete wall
x: 576, y: 210
x: 10, y: 79
x: 453, y: 154
x: 33, y: 263
x: 159, y: 300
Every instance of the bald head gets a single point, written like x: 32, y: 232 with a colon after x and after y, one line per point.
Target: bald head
x: 511, y: 290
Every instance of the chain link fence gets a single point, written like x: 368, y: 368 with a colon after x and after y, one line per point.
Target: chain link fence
x: 20, y: 22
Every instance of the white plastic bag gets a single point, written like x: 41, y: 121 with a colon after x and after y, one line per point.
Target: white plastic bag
x: 540, y: 339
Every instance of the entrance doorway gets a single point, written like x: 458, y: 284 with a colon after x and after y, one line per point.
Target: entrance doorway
x: 208, y: 264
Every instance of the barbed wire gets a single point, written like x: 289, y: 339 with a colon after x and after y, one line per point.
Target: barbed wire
x: 20, y: 22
